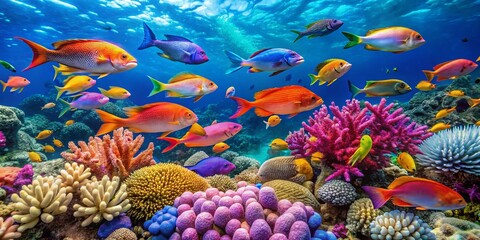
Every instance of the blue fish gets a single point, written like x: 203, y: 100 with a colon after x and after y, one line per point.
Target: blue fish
x: 211, y: 166
x: 274, y: 60
x: 319, y: 28
x: 175, y: 48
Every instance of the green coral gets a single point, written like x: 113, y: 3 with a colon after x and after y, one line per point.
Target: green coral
x: 471, y: 212
x: 222, y: 182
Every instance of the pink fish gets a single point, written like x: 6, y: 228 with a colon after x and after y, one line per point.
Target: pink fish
x: 15, y: 82
x: 451, y: 69
x: 215, y: 133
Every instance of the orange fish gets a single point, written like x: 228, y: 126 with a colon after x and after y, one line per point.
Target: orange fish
x: 272, y: 121
x: 16, y: 83
x: 154, y: 117
x: 220, y: 147
x: 283, y: 100
x: 82, y: 55
x: 415, y: 192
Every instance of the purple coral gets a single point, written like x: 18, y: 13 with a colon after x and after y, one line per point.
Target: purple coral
x: 340, y: 230
x: 473, y: 192
x: 3, y: 140
x: 24, y: 177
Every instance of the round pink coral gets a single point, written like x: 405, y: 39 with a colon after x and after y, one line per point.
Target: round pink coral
x: 252, y: 188
x: 190, y: 234
x: 268, y: 198
x: 260, y: 230
x: 186, y: 198
x: 182, y: 208
x: 225, y: 237
x: 237, y: 199
x: 271, y: 219
x: 232, y: 226
x: 241, y: 190
x: 283, y: 205
x: 299, y: 231
x: 210, y: 192
x: 230, y: 193
x: 242, y: 184
x: 247, y: 195
x: 241, y: 234
x: 204, y: 222
x: 209, y: 206
x: 221, y: 216
x: 250, y: 200
x: 198, y: 195
x: 216, y: 199
x: 284, y: 223
x: 225, y: 201
x: 211, y: 235
x: 237, y: 211
x: 253, y: 212
x: 298, y: 212
x: 309, y: 211
x: 278, y: 236
x: 186, y: 220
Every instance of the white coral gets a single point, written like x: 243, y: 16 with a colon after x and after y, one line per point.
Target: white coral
x: 74, y: 176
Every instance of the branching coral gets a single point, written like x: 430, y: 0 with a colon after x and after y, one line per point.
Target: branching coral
x: 103, y: 199
x: 41, y: 200
x: 111, y: 156
x: 8, y: 230
x: 74, y: 176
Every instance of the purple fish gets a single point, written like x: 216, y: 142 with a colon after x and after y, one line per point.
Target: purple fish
x: 319, y: 28
x: 275, y: 60
x: 175, y: 48
x: 87, y: 101
x: 211, y: 166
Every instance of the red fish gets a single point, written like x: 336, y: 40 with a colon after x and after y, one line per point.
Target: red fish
x: 415, y: 192
x: 451, y: 69
x: 16, y: 83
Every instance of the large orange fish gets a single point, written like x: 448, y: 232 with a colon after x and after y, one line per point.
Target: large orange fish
x: 154, y: 117
x: 283, y: 100
x: 82, y: 55
x: 415, y: 192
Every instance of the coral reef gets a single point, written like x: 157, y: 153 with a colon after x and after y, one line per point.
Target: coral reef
x: 8, y: 175
x: 242, y: 163
x: 74, y: 176
x: 195, y: 158
x: 120, y: 221
x: 360, y: 214
x: 337, y: 192
x: 293, y: 192
x: 248, y: 175
x: 111, y: 156
x: 151, y: 188
x: 454, y: 228
x: 23, y: 177
x: 222, y: 182
x: 399, y: 225
x: 471, y: 212
x: 290, y: 168
x: 11, y: 120
x: 473, y: 192
x: 48, y: 168
x: 75, y: 132
x: 3, y: 140
x: 8, y: 230
x: 122, y: 234
x: 452, y: 150
x: 163, y: 222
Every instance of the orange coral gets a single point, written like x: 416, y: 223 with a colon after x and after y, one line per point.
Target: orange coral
x: 111, y: 156
x: 8, y: 175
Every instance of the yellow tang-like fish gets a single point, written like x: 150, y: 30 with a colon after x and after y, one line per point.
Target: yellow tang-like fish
x: 220, y: 147
x: 381, y: 88
x: 439, y: 127
x: 406, y: 161
x: 69, y: 122
x: 425, y: 86
x: 57, y: 143
x: 272, y: 121
x: 48, y: 148
x: 44, y: 134
x: 278, y: 144
x: 456, y: 93
x: 34, y: 157
x: 184, y: 85
x: 115, y: 93
x: 444, y: 112
x: 75, y: 84
x: 362, y: 150
x: 329, y: 71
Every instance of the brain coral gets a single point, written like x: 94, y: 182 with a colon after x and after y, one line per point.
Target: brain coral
x: 293, y: 192
x: 151, y: 188
x: 400, y: 225
x: 360, y: 214
x: 337, y: 192
x: 452, y: 150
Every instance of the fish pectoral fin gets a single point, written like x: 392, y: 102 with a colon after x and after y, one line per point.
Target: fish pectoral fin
x: 254, y: 70
x: 421, y: 208
x: 276, y: 73
x: 197, y: 98
x: 299, y: 178
x: 21, y: 90
x: 163, y: 55
x: 292, y: 115
x: 165, y: 134
x: 400, y: 203
x: 297, y: 102
x: 174, y: 122
x: 262, y: 112
x: 278, y: 64
x: 103, y: 75
x: 371, y: 48
x: 197, y: 129
x: 13, y: 89
x: 67, y: 70
x: 102, y: 59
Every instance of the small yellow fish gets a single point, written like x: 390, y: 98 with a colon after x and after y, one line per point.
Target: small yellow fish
x: 115, y: 92
x: 48, y: 105
x: 48, y: 148
x: 34, y: 157
x: 75, y: 84
x: 69, y: 122
x: 44, y: 134
x: 456, y: 93
x: 272, y: 121
x: 313, y: 139
x: 317, y: 157
x: 220, y: 147
x: 444, y: 112
x: 425, y: 86
x: 439, y: 127
x: 362, y: 150
x: 57, y: 143
x: 477, y: 123
x: 406, y: 161
x: 279, y: 144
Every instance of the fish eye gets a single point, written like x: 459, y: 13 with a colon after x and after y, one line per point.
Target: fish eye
x: 124, y: 56
x: 334, y: 21
x: 211, y: 84
x: 419, y: 37
x: 402, y: 85
x: 274, y: 143
x: 314, y: 98
x: 235, y: 126
x: 341, y: 64
x: 470, y: 64
x: 125, y: 92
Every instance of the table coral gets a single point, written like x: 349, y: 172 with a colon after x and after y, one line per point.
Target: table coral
x: 111, y: 156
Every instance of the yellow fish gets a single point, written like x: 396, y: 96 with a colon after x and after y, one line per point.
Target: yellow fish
x: 48, y: 148
x: 381, y: 88
x: 406, y: 161
x: 44, y: 134
x: 313, y: 139
x: 444, y: 112
x: 220, y: 147
x: 478, y: 59
x: 69, y: 122
x: 439, y: 127
x: 317, y: 157
x: 34, y: 157
x: 425, y: 86
x: 362, y: 150
x: 57, y: 143
x: 329, y: 71
x: 48, y: 105
x: 456, y: 93
x: 473, y: 102
x: 272, y: 121
x: 279, y: 144
x: 115, y: 92
x: 75, y: 84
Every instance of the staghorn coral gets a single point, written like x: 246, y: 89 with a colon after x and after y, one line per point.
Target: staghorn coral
x: 222, y: 182
x: 111, y: 156
x: 337, y: 192
x: 151, y: 188
x: 41, y: 200
x: 452, y: 150
x: 8, y: 230
x: 74, y: 176
x: 360, y: 214
x: 399, y: 225
x: 103, y: 199
x: 293, y: 192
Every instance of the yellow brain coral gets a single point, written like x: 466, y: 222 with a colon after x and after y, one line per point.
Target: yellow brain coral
x: 151, y: 188
x: 222, y: 182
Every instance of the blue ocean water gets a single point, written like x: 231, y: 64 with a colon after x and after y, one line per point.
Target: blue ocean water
x: 451, y: 31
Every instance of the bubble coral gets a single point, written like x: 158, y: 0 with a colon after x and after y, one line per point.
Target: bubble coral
x: 163, y: 222
x: 360, y: 214
x: 399, y: 225
x: 337, y: 192
x: 222, y: 182
x: 151, y: 188
x: 293, y: 192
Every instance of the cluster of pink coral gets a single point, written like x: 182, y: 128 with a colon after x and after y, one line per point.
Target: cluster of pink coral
x: 111, y: 156
x: 339, y: 137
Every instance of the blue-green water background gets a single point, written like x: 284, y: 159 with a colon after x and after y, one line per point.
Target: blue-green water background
x: 242, y: 27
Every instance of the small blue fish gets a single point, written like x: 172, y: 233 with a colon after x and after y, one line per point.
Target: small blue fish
x: 274, y: 60
x: 86, y: 101
x: 211, y: 166
x: 175, y: 48
x: 230, y: 92
x: 319, y: 28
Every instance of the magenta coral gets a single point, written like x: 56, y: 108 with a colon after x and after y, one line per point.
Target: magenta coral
x: 339, y: 230
x: 24, y: 177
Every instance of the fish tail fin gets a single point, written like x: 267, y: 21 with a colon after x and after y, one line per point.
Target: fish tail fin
x: 266, y: 123
x: 243, y: 107
x: 429, y: 74
x: 4, y: 85
x: 157, y: 86
x: 57, y: 70
x: 354, y: 40
x: 236, y: 61
x: 313, y: 78
x: 379, y: 196
x: 353, y: 89
x: 60, y: 92
x: 148, y: 37
x: 66, y: 107
x: 299, y: 35
x: 173, y: 142
x: 102, y: 91
x: 39, y: 53
x: 110, y: 122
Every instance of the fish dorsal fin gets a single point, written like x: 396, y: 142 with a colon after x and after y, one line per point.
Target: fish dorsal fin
x: 176, y: 38
x: 259, y: 51
x: 323, y: 64
x: 181, y: 77
x: 68, y: 79
x: 132, y: 111
x: 369, y: 83
x: 372, y: 31
x: 263, y: 93
x: 440, y: 65
x: 404, y: 179
x: 310, y: 24
x: 60, y: 44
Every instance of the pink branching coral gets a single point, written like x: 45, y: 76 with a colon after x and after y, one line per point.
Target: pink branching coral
x: 111, y: 156
x: 338, y: 137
